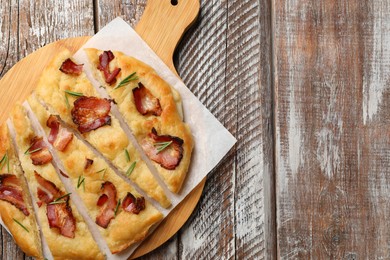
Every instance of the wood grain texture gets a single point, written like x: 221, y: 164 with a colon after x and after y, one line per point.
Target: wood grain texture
x: 332, y: 128
x: 225, y: 61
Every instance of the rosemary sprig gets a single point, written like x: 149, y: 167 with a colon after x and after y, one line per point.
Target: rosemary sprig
x: 20, y: 224
x: 103, y: 171
x: 4, y: 161
x: 59, y: 200
x: 28, y: 149
x: 81, y: 181
x: 72, y: 93
x: 161, y: 146
x: 67, y: 101
x: 127, y: 155
x: 75, y: 94
x: 33, y: 151
x: 117, y: 207
x: 133, y: 76
x: 131, y: 169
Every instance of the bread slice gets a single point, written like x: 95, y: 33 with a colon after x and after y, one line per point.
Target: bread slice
x: 24, y: 229
x: 82, y: 246
x: 165, y: 119
x: 110, y: 140
x: 89, y: 173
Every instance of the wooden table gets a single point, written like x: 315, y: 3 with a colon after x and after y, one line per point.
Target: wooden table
x: 303, y: 85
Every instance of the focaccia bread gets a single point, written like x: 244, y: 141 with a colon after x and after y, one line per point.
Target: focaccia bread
x: 124, y: 216
x: 148, y: 105
x: 16, y: 210
x: 65, y: 231
x: 63, y: 87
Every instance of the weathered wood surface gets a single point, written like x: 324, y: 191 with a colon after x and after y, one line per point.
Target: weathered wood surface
x: 332, y: 96
x: 225, y: 61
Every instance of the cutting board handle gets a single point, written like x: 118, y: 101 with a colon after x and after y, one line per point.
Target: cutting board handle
x: 163, y: 24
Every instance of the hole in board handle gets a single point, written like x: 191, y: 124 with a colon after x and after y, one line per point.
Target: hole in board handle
x: 174, y: 2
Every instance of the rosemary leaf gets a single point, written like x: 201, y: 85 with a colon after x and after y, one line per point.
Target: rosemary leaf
x: 81, y: 181
x: 33, y: 151
x: 3, y: 161
x: 75, y: 94
x: 64, y: 196
x: 67, y: 101
x: 28, y: 149
x: 20, y: 224
x: 161, y: 146
x: 133, y: 76
x: 127, y: 155
x: 103, y: 171
x: 57, y: 202
x: 117, y: 207
x: 131, y: 169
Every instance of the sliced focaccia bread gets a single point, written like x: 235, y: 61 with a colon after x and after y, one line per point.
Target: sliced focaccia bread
x: 124, y: 217
x: 148, y: 105
x: 16, y: 208
x: 65, y: 231
x: 66, y: 91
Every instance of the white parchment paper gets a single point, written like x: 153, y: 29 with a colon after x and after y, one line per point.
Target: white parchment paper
x: 212, y: 140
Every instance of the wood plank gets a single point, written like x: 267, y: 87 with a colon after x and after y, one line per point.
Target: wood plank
x: 25, y: 26
x: 332, y: 128
x: 225, y: 61
x: 130, y: 11
x: 8, y: 35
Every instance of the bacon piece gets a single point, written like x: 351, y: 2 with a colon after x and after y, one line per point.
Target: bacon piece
x: 60, y: 216
x: 48, y: 191
x: 107, y: 203
x: 104, y: 60
x: 170, y: 157
x: 104, y: 65
x: 88, y: 163
x: 59, y: 137
x: 102, y: 200
x: 69, y: 67
x: 90, y: 113
x: 145, y: 101
x: 11, y: 192
x: 42, y: 154
x: 132, y: 204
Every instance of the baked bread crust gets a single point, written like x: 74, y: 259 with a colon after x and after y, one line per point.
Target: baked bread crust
x: 29, y: 242
x: 168, y: 123
x: 51, y: 90
x: 126, y: 228
x: 83, y: 245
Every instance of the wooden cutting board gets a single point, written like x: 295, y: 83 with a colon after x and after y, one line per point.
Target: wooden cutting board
x: 161, y: 26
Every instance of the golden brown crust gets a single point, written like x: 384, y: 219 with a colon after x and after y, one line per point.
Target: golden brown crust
x: 82, y: 246
x: 51, y: 90
x: 30, y: 241
x: 169, y: 123
x: 126, y: 228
